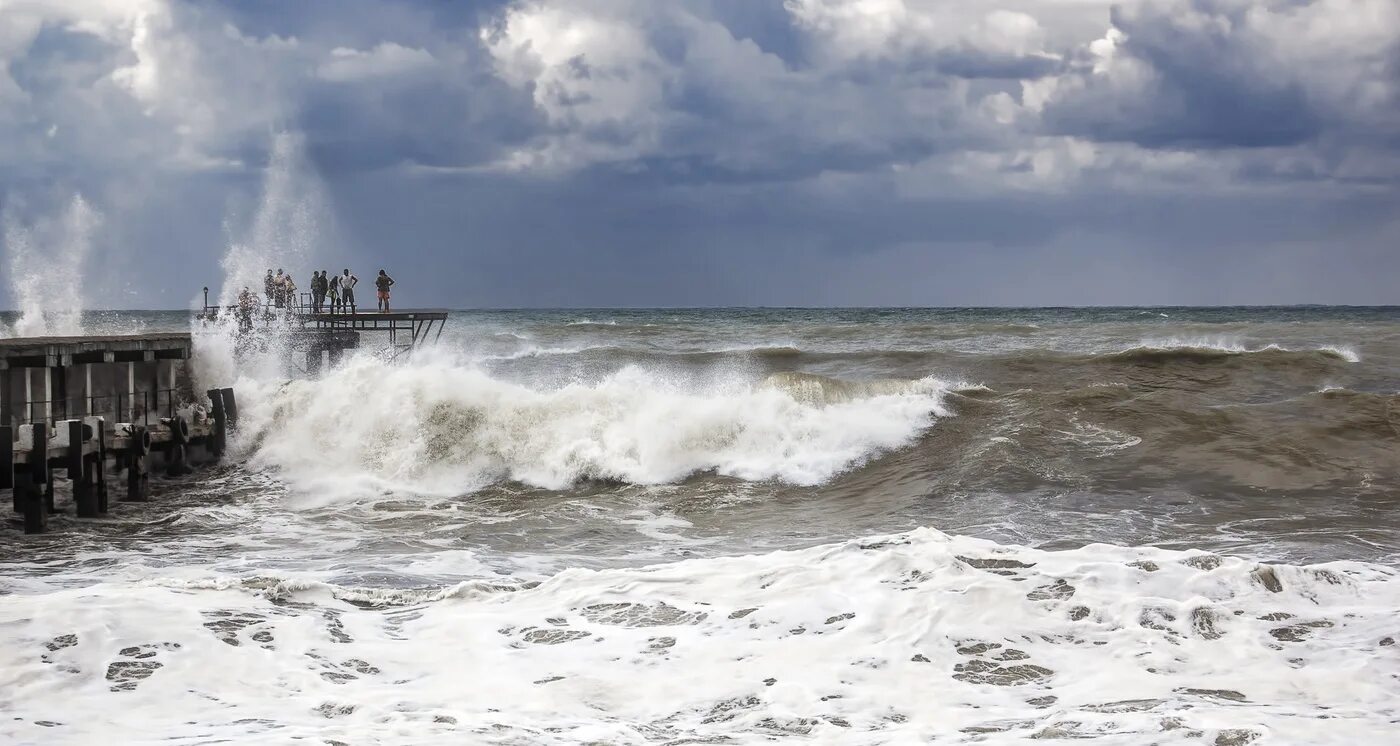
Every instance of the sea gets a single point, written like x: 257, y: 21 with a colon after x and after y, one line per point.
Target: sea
x: 742, y: 526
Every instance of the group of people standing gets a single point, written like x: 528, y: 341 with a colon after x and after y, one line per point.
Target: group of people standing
x: 339, y: 290
x: 280, y: 291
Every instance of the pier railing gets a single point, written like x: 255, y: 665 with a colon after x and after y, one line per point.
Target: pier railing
x: 142, y: 407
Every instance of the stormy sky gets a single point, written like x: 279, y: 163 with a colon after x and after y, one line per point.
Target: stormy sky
x: 546, y: 153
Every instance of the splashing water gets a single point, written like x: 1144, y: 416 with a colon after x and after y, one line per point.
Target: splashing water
x: 288, y: 226
x: 46, y: 269
x: 288, y: 230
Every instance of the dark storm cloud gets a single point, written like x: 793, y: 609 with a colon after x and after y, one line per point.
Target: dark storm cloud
x: 601, y: 152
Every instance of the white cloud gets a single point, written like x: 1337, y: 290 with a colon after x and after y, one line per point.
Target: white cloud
x: 593, y: 74
x: 385, y: 60
x: 957, y: 37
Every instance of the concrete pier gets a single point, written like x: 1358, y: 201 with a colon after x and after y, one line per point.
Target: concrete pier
x: 72, y: 406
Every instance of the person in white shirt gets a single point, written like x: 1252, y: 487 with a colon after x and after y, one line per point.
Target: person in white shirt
x: 347, y: 290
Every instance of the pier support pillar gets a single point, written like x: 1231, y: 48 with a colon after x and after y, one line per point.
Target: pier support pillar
x: 313, y: 361
x: 48, y: 374
x: 130, y: 392
x: 177, y: 453
x: 137, y: 480
x: 176, y: 461
x: 30, y: 500
x: 216, y: 440
x: 230, y: 409
x: 80, y: 472
x: 49, y: 482
x: 7, y: 403
x: 7, y: 463
x: 88, y: 394
x: 27, y: 415
x: 335, y: 354
x: 99, y: 468
x: 36, y: 483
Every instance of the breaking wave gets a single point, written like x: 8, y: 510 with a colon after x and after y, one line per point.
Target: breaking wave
x: 439, y: 428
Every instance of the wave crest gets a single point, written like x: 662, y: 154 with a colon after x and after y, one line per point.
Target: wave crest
x: 444, y: 429
x: 1206, y: 352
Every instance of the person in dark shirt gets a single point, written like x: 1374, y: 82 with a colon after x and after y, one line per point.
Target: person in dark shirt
x: 382, y: 283
x: 269, y: 286
x: 279, y: 289
x: 318, y: 291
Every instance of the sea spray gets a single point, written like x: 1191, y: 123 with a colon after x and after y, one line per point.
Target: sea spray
x: 46, y: 261
x: 290, y: 228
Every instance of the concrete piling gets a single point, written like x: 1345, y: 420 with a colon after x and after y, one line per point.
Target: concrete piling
x: 99, y: 466
x: 217, y: 439
x: 230, y: 409
x: 137, y: 480
x: 80, y: 470
x: 176, y: 454
x: 31, y: 500
x: 34, y: 485
x: 7, y: 463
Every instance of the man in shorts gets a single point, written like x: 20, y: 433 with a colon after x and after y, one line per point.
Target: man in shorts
x: 347, y: 290
x: 382, y: 283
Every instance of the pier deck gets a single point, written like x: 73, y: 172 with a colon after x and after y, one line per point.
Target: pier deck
x: 52, y: 352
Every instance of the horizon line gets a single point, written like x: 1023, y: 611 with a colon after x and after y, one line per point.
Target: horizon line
x: 1008, y: 307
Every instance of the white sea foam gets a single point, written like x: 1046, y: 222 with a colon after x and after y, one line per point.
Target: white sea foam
x: 591, y: 322
x: 896, y: 639
x: 438, y: 427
